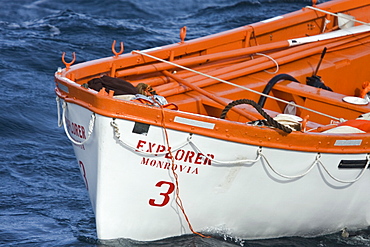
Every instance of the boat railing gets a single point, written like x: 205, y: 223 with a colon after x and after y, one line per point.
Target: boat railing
x: 240, y: 86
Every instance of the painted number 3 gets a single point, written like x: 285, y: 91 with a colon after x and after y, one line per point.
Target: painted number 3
x: 166, y: 197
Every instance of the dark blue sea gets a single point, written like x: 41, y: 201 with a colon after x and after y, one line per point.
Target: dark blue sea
x: 43, y: 200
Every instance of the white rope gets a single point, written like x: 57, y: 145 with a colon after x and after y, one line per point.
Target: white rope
x: 231, y: 162
x: 288, y: 176
x: 60, y: 123
x: 91, y: 127
x: 236, y: 85
x: 330, y: 13
x: 273, y: 60
x: 344, y: 181
x: 117, y: 134
x: 317, y: 161
x: 260, y: 155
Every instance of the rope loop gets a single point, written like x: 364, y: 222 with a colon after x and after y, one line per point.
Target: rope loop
x: 91, y: 126
x: 272, y: 59
x: 346, y: 181
x: 117, y: 135
x: 60, y: 123
x: 317, y: 161
x: 231, y: 162
x: 289, y: 176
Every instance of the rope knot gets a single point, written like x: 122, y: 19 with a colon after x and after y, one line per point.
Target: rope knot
x: 145, y: 89
x: 92, y: 122
x: 116, y: 130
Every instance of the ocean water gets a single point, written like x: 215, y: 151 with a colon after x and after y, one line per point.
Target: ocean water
x: 43, y: 200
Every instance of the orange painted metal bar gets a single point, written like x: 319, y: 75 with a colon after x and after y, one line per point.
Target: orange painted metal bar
x: 203, y: 59
x: 252, y: 66
x: 207, y: 94
x: 263, y: 63
x: 238, y: 132
x: 164, y: 82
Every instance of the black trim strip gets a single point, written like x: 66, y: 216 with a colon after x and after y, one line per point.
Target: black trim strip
x: 350, y: 164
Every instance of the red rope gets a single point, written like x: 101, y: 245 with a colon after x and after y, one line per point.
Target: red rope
x: 177, y: 189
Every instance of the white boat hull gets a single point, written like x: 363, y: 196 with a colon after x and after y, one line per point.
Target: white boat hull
x: 133, y: 190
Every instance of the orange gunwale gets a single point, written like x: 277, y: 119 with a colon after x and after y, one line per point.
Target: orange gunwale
x: 224, y: 129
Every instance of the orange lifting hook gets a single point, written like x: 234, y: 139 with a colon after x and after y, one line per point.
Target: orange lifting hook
x: 182, y: 34
x: 70, y: 63
x: 114, y: 49
x: 365, y: 89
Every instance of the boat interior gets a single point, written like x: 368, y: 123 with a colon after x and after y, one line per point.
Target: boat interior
x: 321, y: 82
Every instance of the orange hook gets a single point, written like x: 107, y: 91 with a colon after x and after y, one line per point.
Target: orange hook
x: 314, y: 2
x: 304, y: 123
x: 365, y: 89
x: 114, y: 49
x: 70, y: 63
x: 183, y: 34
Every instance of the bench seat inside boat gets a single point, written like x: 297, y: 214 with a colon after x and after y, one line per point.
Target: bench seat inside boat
x: 305, y: 95
x: 319, y: 99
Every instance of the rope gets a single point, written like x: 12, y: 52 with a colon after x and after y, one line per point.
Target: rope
x: 177, y: 188
x: 117, y: 134
x: 60, y: 123
x: 169, y: 152
x: 314, y: 163
x: 188, y: 141
x: 231, y: 162
x: 273, y: 60
x: 317, y: 161
x: 91, y: 127
x: 236, y: 85
x: 287, y: 176
x: 260, y: 155
x: 344, y: 181
x: 269, y: 119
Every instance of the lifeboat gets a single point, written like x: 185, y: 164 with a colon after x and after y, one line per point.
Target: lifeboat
x: 259, y: 132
